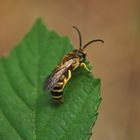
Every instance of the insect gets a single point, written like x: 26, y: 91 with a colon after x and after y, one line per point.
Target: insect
x: 58, y: 79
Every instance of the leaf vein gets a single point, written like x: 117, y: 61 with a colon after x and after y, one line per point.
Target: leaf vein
x: 76, y: 118
x: 14, y: 89
x: 22, y: 68
x: 12, y: 124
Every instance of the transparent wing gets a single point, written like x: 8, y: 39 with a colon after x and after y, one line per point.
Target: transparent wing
x: 57, y: 73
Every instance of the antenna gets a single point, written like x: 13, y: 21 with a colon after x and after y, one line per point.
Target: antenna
x: 80, y: 37
x: 92, y: 41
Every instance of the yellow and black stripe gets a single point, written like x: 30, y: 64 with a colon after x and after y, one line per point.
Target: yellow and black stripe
x: 57, y: 96
x: 57, y: 91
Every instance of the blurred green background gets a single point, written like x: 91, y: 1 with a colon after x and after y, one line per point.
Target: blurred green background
x: 116, y: 62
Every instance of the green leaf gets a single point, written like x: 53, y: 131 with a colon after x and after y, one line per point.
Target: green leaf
x: 26, y: 111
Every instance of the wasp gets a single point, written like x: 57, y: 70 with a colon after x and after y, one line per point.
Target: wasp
x: 60, y: 76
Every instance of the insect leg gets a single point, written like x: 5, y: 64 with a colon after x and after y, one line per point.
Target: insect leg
x: 58, y: 87
x: 59, y: 83
x: 67, y: 79
x: 85, y: 66
x: 69, y: 75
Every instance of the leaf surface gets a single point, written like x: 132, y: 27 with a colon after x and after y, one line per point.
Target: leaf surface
x: 26, y: 111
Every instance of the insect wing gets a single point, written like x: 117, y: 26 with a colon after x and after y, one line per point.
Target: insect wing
x: 53, y: 79
x: 56, y: 75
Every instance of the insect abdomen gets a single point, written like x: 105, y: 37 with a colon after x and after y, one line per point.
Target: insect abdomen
x: 57, y: 96
x: 57, y: 92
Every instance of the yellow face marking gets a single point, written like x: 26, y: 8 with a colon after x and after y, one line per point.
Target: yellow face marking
x: 84, y: 66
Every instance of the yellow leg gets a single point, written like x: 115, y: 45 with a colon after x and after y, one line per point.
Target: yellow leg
x: 69, y: 75
x: 66, y: 80
x: 60, y: 83
x: 85, y: 66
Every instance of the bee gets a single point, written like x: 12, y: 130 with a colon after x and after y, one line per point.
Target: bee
x: 60, y: 76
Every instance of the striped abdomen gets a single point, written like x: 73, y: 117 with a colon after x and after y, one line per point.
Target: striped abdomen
x: 57, y: 91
